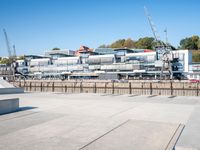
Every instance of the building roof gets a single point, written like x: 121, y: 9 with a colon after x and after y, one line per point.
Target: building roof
x: 83, y: 49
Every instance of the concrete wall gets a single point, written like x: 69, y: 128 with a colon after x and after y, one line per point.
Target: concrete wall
x: 9, y: 105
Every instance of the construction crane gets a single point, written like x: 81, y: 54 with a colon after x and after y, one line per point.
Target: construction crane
x: 11, y: 54
x: 7, y: 44
x: 164, y: 55
x: 14, y: 52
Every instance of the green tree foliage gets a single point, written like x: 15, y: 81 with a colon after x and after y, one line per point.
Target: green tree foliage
x: 199, y: 44
x: 190, y: 43
x: 5, y: 61
x: 21, y: 58
x: 196, y: 56
x: 118, y: 44
x: 145, y: 43
x: 56, y: 49
x: 122, y: 43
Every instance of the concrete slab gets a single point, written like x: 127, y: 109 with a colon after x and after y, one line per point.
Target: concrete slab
x: 190, y: 139
x: 151, y: 135
x: 8, y: 105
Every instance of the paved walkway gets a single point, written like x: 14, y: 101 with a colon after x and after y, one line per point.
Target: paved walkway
x: 56, y: 121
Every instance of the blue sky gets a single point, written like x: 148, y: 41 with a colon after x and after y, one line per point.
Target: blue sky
x: 38, y: 25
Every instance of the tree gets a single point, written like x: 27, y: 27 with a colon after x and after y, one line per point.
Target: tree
x: 199, y: 44
x: 129, y: 43
x: 21, y: 58
x: 190, y: 42
x: 118, y: 44
x: 5, y: 61
x: 145, y: 43
x: 196, y: 56
x: 56, y: 49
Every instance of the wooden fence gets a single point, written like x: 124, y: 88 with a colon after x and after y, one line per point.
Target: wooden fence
x: 135, y: 88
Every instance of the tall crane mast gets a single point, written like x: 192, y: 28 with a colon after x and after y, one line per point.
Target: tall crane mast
x: 11, y: 54
x: 164, y: 55
x: 7, y: 44
x: 14, y: 52
x: 152, y: 25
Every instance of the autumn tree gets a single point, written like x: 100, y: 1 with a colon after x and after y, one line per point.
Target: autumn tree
x: 145, y: 43
x: 118, y: 44
x: 191, y: 43
x: 129, y: 43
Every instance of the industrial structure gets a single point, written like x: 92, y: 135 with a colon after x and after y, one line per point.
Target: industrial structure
x: 118, y: 64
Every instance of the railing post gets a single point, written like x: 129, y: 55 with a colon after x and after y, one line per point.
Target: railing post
x: 171, y: 88
x: 30, y: 86
x: 95, y: 87
x: 41, y: 86
x: 113, y: 90
x: 53, y: 87
x: 24, y: 83
x: 81, y: 87
x: 105, y: 87
x: 142, y: 88
x: 65, y: 88
x: 151, y: 90
x: 130, y: 88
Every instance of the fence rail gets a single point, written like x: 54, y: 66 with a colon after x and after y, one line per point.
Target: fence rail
x: 135, y: 88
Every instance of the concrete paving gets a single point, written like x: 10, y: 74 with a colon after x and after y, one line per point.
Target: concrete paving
x: 190, y: 139
x: 57, y: 121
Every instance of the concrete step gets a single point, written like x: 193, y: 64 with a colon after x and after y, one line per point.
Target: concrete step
x: 9, y: 105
